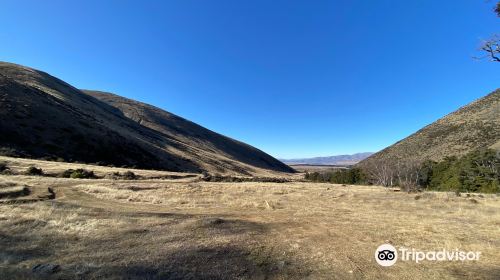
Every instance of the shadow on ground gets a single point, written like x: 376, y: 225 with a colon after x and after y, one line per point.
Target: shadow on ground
x: 155, y: 246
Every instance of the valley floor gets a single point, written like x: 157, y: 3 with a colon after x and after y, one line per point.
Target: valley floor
x: 189, y: 229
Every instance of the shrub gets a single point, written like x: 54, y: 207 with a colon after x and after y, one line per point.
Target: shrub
x: 34, y: 171
x: 78, y: 174
x: 82, y: 174
x: 3, y: 166
x: 66, y: 173
x: 129, y: 175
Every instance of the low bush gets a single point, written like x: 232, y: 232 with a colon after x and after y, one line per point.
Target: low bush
x: 3, y: 166
x: 129, y: 175
x: 78, y: 174
x: 34, y: 171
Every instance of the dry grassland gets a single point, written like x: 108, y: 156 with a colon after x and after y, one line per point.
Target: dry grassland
x: 189, y: 229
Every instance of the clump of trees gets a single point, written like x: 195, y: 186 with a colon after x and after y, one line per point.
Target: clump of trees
x: 350, y: 176
x: 478, y: 171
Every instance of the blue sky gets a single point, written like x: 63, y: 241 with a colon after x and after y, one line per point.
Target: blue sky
x: 293, y: 78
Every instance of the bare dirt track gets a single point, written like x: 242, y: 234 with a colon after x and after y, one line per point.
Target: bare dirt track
x: 188, y: 229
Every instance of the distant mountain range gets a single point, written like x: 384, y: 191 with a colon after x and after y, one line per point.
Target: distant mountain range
x: 474, y: 126
x: 44, y: 117
x: 330, y: 160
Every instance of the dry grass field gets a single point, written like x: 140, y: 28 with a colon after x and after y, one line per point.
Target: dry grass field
x: 185, y: 228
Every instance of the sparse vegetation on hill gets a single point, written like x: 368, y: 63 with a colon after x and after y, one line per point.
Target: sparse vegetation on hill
x: 474, y: 126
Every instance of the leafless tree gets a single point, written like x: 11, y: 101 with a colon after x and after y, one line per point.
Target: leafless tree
x: 381, y: 172
x: 492, y: 46
x: 408, y: 172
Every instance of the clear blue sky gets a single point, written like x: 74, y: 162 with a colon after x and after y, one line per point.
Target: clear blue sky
x: 293, y: 78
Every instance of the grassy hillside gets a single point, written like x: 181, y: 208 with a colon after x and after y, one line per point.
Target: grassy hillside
x: 474, y: 126
x: 192, y: 140
x: 44, y: 117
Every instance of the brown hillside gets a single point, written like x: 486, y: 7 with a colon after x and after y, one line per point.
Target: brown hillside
x: 476, y: 125
x: 44, y: 117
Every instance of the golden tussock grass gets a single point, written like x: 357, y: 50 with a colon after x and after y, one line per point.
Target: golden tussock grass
x: 170, y: 229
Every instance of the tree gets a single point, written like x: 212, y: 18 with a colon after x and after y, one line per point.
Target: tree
x: 381, y: 172
x: 408, y: 174
x: 492, y: 46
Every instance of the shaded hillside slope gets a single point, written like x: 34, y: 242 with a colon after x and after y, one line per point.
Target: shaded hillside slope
x: 42, y: 116
x: 476, y: 125
x: 194, y: 140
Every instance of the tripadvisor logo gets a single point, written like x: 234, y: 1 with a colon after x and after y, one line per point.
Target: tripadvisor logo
x: 387, y: 255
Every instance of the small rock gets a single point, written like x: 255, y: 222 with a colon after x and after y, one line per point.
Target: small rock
x: 46, y: 269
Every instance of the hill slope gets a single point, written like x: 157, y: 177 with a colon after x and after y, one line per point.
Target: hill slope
x: 42, y: 116
x: 331, y: 160
x: 476, y: 125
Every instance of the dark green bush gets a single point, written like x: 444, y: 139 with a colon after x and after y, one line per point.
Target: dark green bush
x: 3, y: 166
x: 350, y: 176
x: 34, y: 171
x: 66, y: 173
x: 129, y: 175
x: 78, y: 174
x: 82, y: 174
